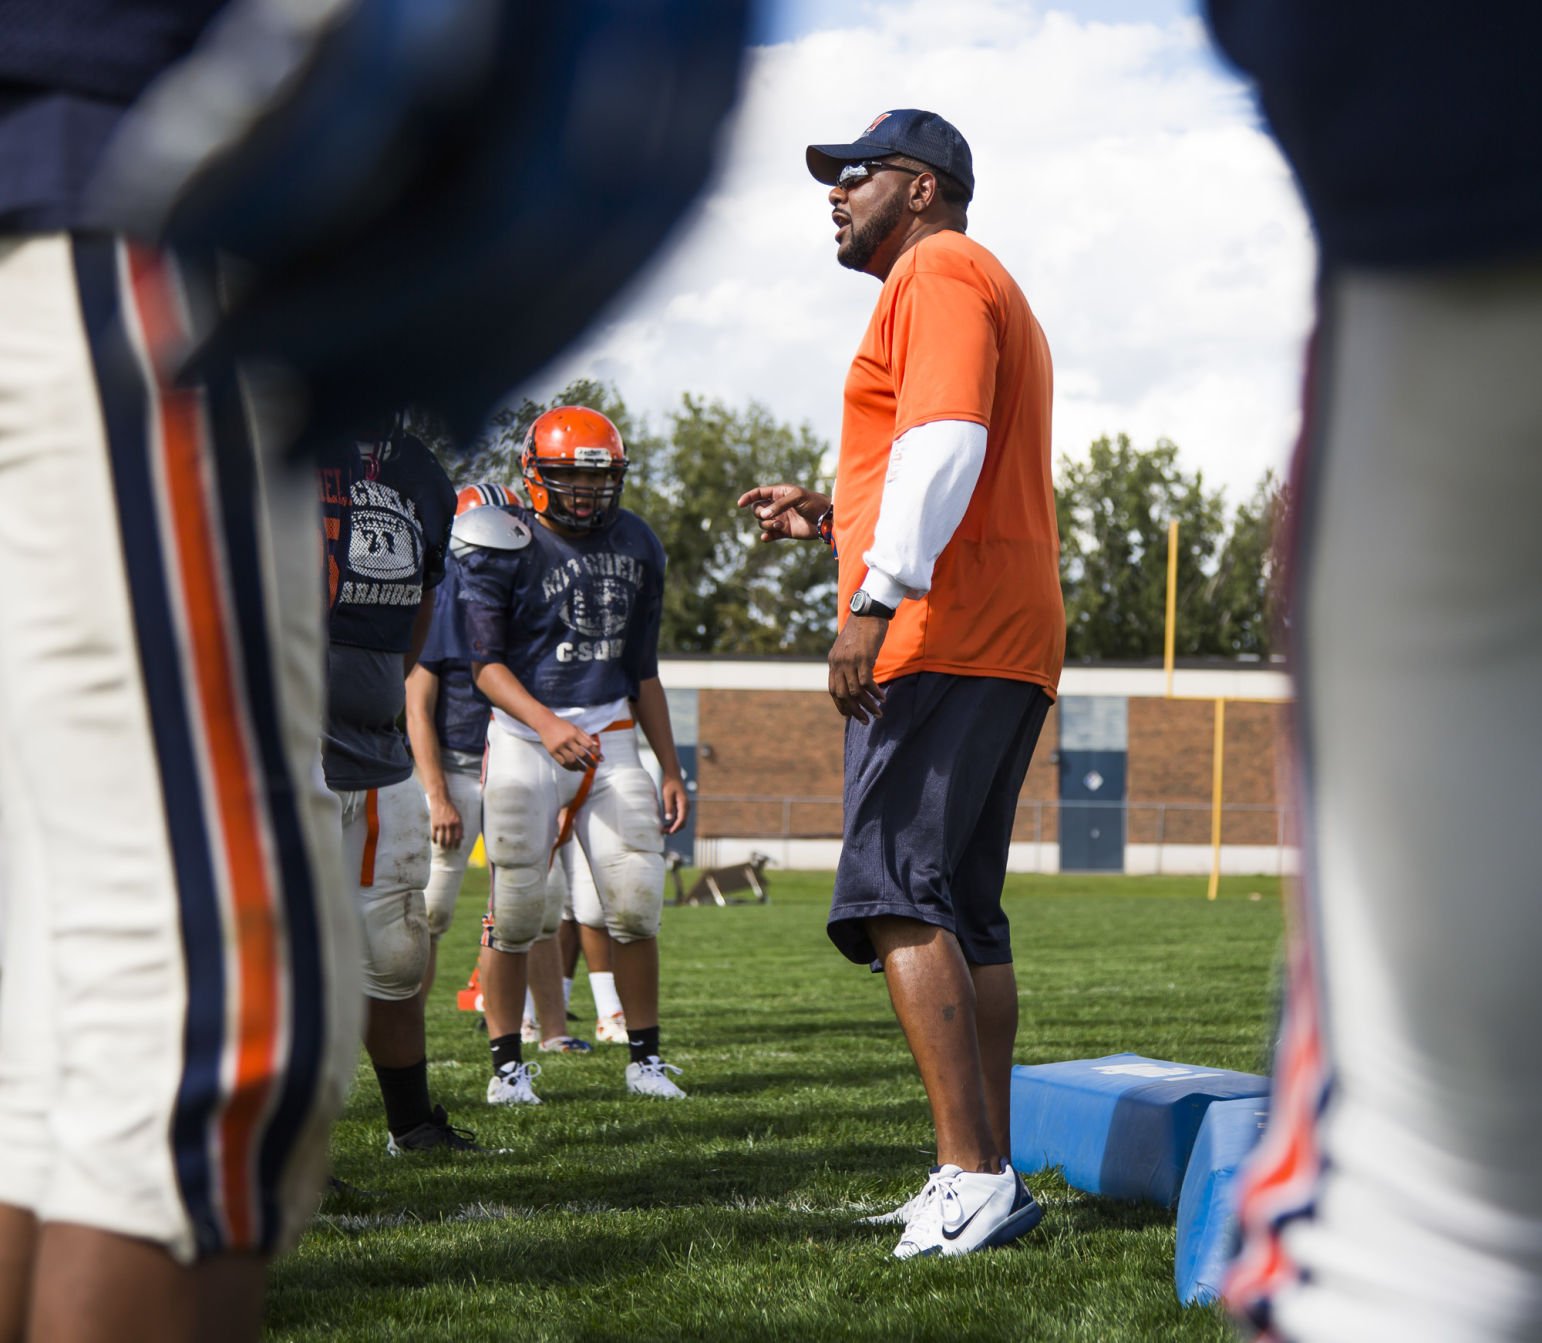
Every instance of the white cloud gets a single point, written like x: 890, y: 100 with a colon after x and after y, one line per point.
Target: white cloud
x: 1120, y: 176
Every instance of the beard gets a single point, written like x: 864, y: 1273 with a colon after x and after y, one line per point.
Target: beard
x: 862, y: 242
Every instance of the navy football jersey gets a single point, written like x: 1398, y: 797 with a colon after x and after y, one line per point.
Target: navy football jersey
x: 460, y: 711
x: 576, y: 619
x: 387, y: 511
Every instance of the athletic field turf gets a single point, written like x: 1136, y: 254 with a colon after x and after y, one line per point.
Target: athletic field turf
x: 733, y: 1214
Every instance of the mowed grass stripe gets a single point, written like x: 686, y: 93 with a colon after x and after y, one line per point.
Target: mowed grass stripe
x: 734, y: 1214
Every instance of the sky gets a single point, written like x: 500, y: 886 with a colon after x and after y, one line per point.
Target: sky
x: 1121, y: 175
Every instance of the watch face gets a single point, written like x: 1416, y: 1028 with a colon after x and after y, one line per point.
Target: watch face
x: 859, y: 600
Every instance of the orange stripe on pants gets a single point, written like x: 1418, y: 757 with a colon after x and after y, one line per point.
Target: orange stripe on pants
x: 371, y: 836
x: 182, y: 442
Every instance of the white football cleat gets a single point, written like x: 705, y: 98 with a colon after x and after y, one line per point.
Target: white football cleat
x: 963, y: 1211
x: 512, y: 1086
x: 648, y: 1079
x: 905, y: 1213
x: 611, y: 1030
x: 529, y: 1032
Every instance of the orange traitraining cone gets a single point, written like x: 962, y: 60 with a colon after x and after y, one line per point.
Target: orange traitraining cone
x: 469, y: 999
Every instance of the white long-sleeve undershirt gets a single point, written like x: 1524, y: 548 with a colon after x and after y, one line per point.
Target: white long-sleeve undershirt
x: 933, y: 470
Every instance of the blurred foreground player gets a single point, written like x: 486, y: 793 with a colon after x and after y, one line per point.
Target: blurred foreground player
x: 387, y: 506
x: 1397, y: 1193
x: 165, y: 1086
x: 561, y: 625
x: 180, y: 1006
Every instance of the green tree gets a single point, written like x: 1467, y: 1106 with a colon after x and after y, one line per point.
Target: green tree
x: 1113, y: 510
x: 728, y: 593
x: 1245, y: 595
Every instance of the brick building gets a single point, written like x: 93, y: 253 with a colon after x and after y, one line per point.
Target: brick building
x: 1122, y: 779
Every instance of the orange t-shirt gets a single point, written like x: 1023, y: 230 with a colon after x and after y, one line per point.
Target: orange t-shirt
x: 952, y: 338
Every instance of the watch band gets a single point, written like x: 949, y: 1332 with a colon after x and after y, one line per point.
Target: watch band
x: 864, y: 604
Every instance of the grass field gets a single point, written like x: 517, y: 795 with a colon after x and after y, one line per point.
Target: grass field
x: 733, y: 1215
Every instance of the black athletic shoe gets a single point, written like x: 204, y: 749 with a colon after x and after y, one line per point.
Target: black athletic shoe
x: 437, y: 1132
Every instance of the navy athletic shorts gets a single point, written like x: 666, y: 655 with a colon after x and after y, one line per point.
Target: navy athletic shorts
x: 930, y: 795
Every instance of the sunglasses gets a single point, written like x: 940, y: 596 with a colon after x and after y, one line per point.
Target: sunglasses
x: 853, y: 173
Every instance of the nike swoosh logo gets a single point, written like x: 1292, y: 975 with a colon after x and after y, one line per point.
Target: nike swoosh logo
x: 963, y: 1226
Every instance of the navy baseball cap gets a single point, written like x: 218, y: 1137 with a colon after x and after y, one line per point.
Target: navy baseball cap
x: 906, y: 130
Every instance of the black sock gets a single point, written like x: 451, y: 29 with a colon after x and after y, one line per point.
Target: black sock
x: 643, y: 1043
x: 506, y: 1052
x: 405, y: 1093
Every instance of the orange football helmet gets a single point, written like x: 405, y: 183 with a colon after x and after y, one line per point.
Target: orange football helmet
x: 573, y: 463
x: 478, y: 496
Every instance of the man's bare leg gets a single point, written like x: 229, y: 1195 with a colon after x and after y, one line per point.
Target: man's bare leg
x: 543, y: 968
x: 393, y: 1031
x: 637, y: 981
x: 995, y: 1022
x: 596, y: 944
x: 92, y: 1286
x: 18, y: 1246
x: 504, y: 975
x: 933, y: 995
x: 569, y: 944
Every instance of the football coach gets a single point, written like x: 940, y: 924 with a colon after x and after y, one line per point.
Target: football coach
x: 952, y: 634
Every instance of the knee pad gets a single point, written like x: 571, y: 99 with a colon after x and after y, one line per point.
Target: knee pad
x: 519, y: 902
x: 631, y: 888
x: 625, y: 849
x: 396, y: 943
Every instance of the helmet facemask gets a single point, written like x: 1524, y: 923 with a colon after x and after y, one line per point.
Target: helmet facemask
x: 581, y: 494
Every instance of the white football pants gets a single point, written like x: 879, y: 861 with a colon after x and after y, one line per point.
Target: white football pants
x: 179, y: 1006
x: 616, y: 825
x: 447, y: 867
x: 385, y: 857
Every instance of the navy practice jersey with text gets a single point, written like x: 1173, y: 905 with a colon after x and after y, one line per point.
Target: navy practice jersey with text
x: 387, y: 509
x: 576, y: 619
x: 460, y: 711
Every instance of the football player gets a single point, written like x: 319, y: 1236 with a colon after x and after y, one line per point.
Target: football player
x: 387, y: 506
x: 561, y: 626
x: 447, y: 730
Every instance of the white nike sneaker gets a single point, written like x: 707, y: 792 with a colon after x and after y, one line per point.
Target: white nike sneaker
x: 512, y: 1086
x: 648, y: 1079
x: 963, y: 1211
x: 906, y: 1212
x: 611, y: 1030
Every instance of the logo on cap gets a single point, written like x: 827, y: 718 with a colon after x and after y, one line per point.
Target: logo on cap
x: 877, y: 122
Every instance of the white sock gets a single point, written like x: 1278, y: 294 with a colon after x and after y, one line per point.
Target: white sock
x: 529, y: 1006
x: 567, y: 993
x: 603, y: 987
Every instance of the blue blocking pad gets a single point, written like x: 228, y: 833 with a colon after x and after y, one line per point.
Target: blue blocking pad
x: 1207, y: 1212
x: 1121, y: 1126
